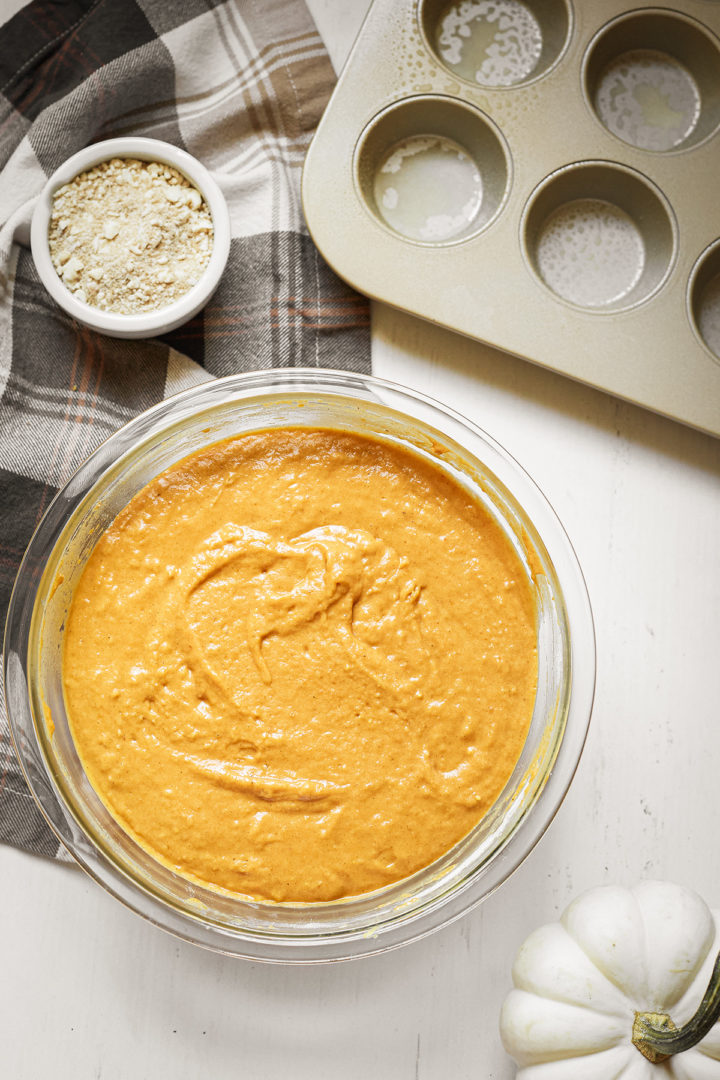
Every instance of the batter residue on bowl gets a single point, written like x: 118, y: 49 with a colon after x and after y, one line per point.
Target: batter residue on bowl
x: 300, y: 665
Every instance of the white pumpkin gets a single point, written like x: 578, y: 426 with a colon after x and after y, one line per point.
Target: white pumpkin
x: 615, y: 952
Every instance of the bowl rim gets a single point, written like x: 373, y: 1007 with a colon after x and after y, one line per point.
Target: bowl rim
x: 447, y: 906
x: 160, y: 320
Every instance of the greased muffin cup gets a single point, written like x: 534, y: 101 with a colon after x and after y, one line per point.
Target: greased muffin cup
x: 540, y: 175
x: 57, y: 554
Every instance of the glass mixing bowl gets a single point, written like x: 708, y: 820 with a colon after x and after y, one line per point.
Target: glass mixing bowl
x: 55, y: 558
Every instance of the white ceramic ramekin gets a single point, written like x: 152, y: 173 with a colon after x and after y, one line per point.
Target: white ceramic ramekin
x: 145, y: 324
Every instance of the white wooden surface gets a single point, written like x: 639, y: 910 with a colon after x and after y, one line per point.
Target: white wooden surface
x: 89, y: 990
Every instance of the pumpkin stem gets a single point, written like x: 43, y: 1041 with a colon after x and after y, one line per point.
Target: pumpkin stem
x: 657, y: 1038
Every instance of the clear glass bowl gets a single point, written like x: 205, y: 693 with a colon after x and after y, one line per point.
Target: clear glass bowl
x: 56, y: 556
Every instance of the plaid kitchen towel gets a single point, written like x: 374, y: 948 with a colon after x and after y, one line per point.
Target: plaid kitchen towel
x: 241, y: 84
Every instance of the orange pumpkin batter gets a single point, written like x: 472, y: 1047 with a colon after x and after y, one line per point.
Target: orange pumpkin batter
x: 300, y: 665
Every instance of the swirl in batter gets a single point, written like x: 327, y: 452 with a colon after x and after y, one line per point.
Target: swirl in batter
x: 300, y: 665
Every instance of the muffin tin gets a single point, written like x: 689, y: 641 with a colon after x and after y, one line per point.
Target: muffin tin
x: 540, y: 175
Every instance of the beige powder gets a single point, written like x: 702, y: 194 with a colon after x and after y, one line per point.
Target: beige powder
x: 130, y: 236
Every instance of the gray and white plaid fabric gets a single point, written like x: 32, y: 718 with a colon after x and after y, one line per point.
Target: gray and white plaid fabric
x: 240, y: 84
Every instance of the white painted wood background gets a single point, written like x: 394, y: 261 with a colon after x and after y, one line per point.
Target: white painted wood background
x: 89, y: 990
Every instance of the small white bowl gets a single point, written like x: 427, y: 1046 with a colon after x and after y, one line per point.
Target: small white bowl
x: 149, y: 323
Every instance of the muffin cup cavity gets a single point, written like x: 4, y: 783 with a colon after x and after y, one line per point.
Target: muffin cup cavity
x: 432, y: 169
x: 704, y: 299
x: 496, y: 43
x: 652, y: 78
x: 599, y: 236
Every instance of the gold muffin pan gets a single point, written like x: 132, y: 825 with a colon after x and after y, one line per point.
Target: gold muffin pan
x: 540, y: 175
